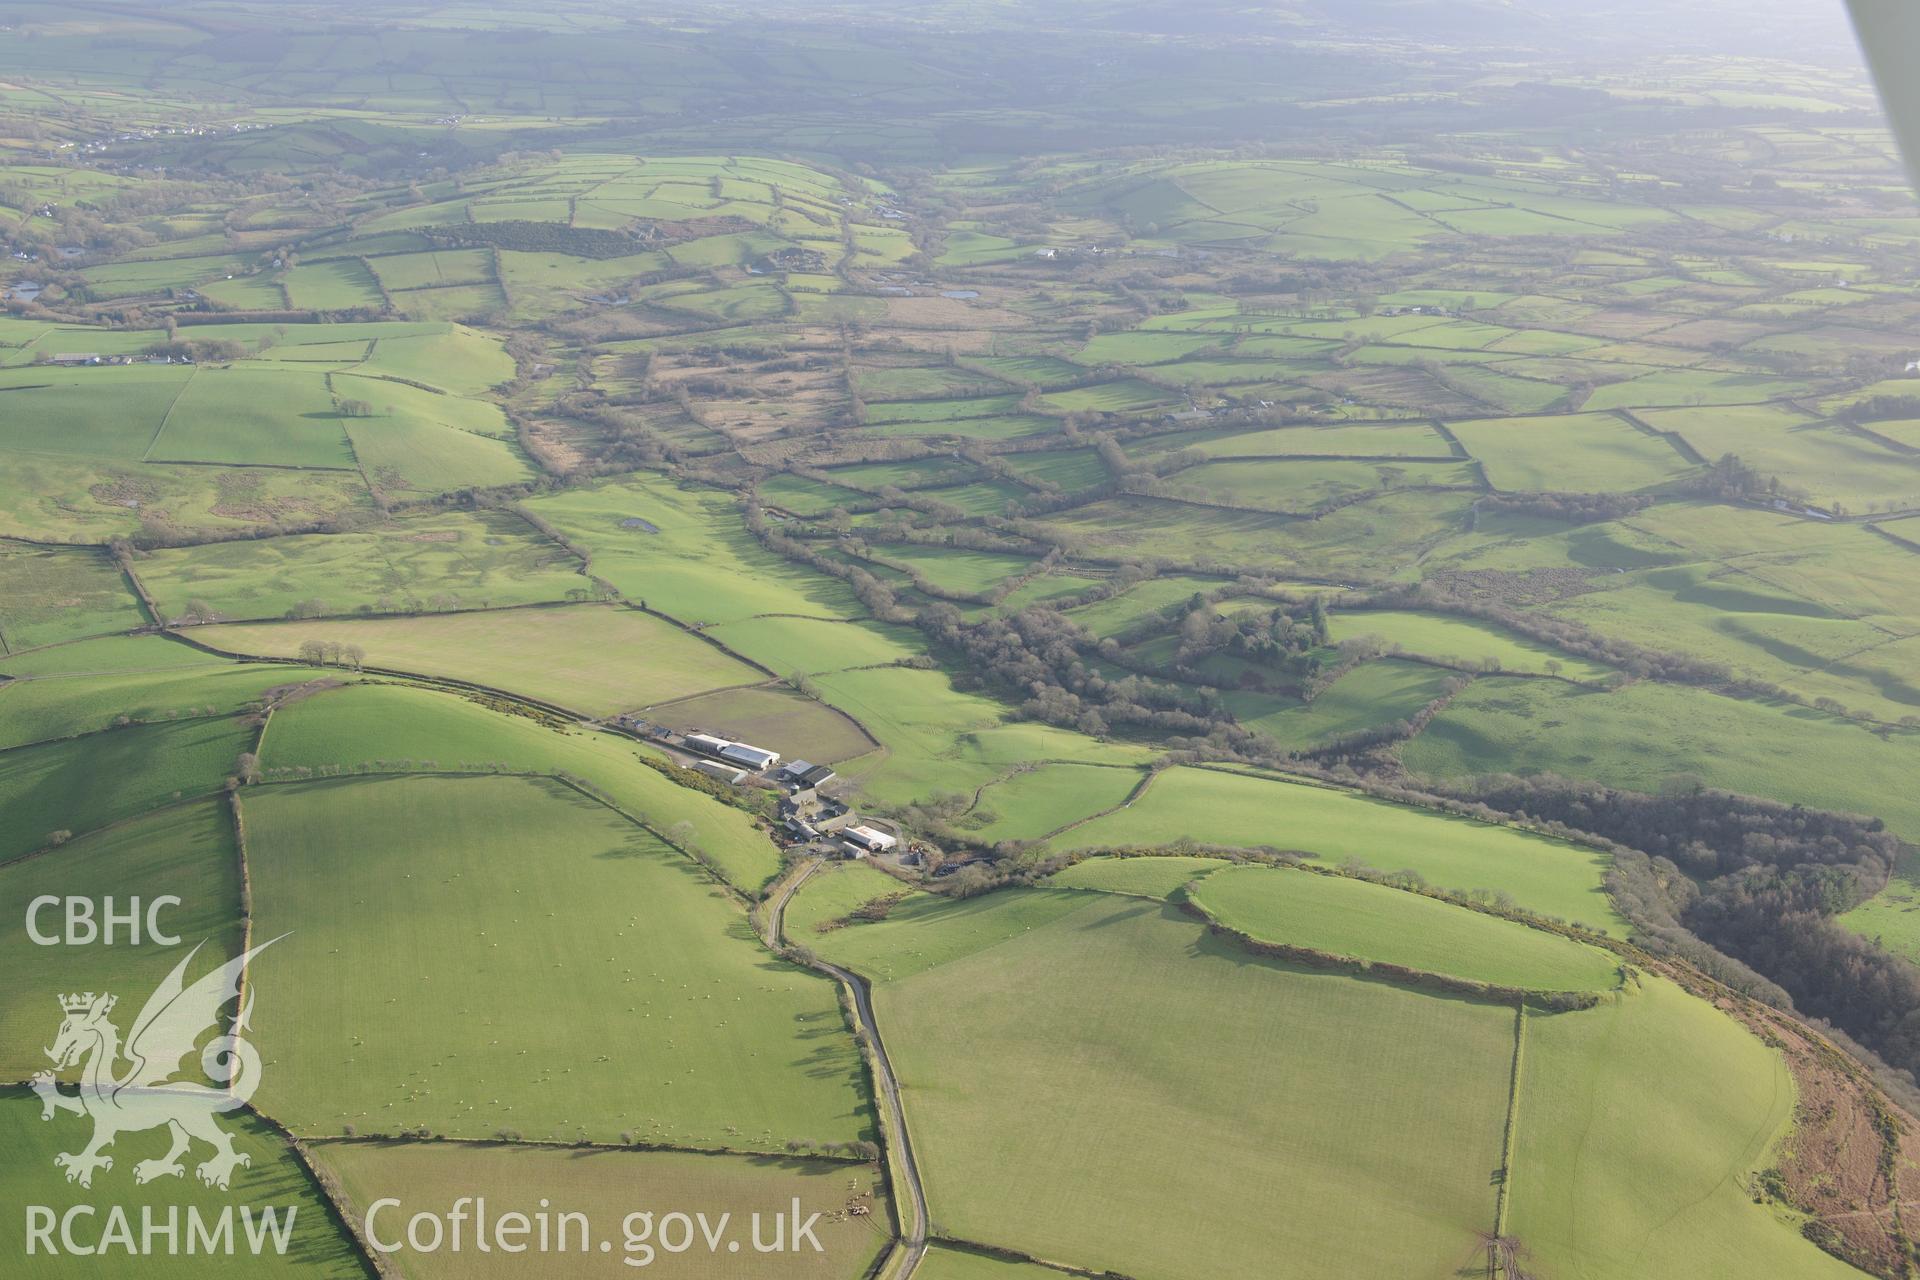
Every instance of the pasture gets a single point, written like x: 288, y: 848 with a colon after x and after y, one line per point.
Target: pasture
x: 1189, y: 1064
x: 1033, y: 803
x: 1643, y: 735
x: 76, y: 785
x: 1660, y: 1188
x: 1152, y: 877
x: 318, y: 1246
x: 461, y: 927
x: 1581, y: 453
x: 53, y: 594
x: 595, y: 659
x: 607, y: 1186
x: 442, y: 560
x: 186, y: 850
x: 1371, y: 695
x: 810, y: 646
x: 1459, y: 641
x: 378, y: 727
x: 683, y: 552
x: 1343, y: 916
x: 41, y: 708
x: 1213, y: 806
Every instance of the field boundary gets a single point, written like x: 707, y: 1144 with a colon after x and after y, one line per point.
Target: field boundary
x: 1504, y: 1196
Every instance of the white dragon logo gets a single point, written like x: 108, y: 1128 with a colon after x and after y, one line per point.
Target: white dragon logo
x: 144, y: 1096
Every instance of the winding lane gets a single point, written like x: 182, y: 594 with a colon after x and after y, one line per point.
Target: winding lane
x: 913, y: 1243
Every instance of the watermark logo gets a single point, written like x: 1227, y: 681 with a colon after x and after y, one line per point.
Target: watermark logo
x: 143, y: 1094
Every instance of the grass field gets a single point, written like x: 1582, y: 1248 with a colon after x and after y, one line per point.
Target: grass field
x: 607, y: 1186
x: 1617, y: 1181
x: 79, y: 784
x: 687, y: 556
x: 937, y: 739
x: 1347, y: 917
x: 465, y: 559
x: 462, y: 927
x: 386, y: 727
x: 1119, y: 1067
x: 52, y: 594
x: 1584, y: 453
x: 1467, y: 642
x: 280, y: 417
x: 831, y: 893
x: 186, y: 851
x: 1036, y: 802
x: 954, y: 1264
x: 1643, y: 735
x: 597, y: 659
x: 1155, y: 877
x: 317, y: 1245
x: 40, y: 708
x: 776, y: 718
x: 109, y: 655
x: 1215, y: 807
x: 1372, y: 694
x: 810, y: 646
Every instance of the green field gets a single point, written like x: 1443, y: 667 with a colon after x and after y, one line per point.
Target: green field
x: 436, y: 561
x: 695, y: 563
x: 952, y: 1264
x: 1154, y: 877
x: 49, y: 595
x: 810, y: 646
x: 607, y: 1186
x: 245, y: 415
x: 1077, y: 1087
x: 385, y: 728
x: 1034, y: 803
x: 419, y: 914
x: 596, y: 659
x: 1371, y: 695
x: 1215, y: 807
x: 79, y: 784
x: 936, y: 739
x: 40, y: 708
x: 1342, y: 916
x: 1585, y: 453
x: 186, y: 851
x: 1614, y: 1179
x: 1645, y: 734
x: 1466, y: 642
x: 317, y: 1244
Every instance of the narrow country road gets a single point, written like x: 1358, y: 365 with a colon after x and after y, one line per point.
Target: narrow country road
x: 913, y: 1243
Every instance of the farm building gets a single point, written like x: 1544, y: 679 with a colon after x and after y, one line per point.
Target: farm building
x: 804, y: 774
x: 725, y: 772
x: 868, y: 839
x: 751, y: 757
x: 745, y: 754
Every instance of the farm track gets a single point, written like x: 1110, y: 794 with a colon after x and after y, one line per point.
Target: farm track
x: 912, y: 1245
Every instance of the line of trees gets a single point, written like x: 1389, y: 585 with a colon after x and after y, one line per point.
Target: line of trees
x: 1758, y: 880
